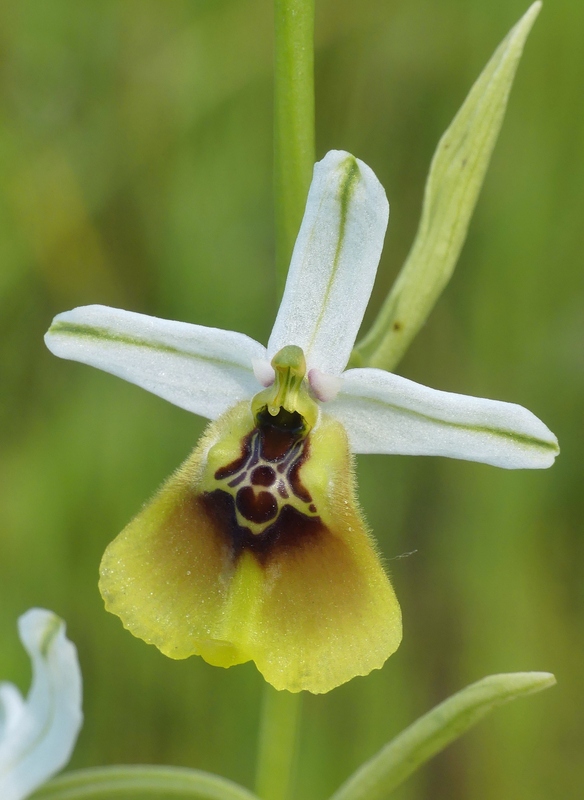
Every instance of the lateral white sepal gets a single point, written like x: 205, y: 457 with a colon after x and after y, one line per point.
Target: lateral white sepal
x: 203, y: 370
x: 385, y: 413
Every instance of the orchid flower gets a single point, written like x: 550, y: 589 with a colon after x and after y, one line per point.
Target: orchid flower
x: 37, y: 736
x: 256, y: 549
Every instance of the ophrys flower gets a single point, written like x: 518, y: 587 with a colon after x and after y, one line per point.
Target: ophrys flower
x: 255, y: 549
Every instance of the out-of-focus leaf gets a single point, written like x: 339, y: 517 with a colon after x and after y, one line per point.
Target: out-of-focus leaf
x: 454, y: 182
x: 137, y: 782
x: 431, y: 733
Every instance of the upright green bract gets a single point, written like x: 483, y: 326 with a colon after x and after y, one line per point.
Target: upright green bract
x: 456, y: 175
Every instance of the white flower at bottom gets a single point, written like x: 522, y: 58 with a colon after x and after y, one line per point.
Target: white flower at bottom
x: 277, y: 565
x: 37, y: 736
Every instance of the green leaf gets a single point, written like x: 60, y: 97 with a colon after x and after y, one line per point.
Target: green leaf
x: 454, y: 182
x: 141, y: 783
x: 379, y: 776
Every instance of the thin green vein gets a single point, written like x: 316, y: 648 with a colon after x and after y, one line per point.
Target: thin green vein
x: 346, y: 191
x: 518, y: 438
x: 104, y: 335
x: 49, y: 634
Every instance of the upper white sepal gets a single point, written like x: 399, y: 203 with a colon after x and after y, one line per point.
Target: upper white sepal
x: 37, y: 736
x: 334, y: 263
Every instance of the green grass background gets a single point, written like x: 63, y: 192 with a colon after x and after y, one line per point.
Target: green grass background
x: 135, y: 170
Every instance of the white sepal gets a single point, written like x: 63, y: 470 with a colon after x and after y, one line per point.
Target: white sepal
x: 204, y: 370
x: 385, y: 413
x: 37, y: 736
x: 334, y: 263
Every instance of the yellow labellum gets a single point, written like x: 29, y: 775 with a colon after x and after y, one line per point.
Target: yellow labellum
x: 306, y: 598
x: 255, y: 549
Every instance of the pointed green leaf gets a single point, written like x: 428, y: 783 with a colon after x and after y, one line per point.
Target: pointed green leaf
x: 455, y: 179
x: 379, y: 776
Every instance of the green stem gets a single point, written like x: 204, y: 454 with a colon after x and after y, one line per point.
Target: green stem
x: 277, y: 744
x: 293, y: 122
x: 293, y: 164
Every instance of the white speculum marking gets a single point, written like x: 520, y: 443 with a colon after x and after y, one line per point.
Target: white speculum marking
x: 262, y: 486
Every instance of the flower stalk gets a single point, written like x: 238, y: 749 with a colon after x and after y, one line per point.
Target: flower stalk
x: 278, y: 738
x: 293, y: 123
x: 294, y: 157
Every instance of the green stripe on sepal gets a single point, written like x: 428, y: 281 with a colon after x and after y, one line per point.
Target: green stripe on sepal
x: 62, y: 328
x: 346, y: 191
x: 334, y: 263
x: 546, y: 446
x: 204, y: 370
x: 92, y: 333
x: 452, y: 188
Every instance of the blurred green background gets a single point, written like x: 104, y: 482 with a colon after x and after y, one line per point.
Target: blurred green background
x: 135, y: 158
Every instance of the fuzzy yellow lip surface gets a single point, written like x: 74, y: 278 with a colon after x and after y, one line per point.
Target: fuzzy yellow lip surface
x: 277, y: 568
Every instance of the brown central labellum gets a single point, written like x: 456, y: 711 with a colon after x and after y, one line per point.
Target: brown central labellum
x: 260, y: 501
x: 255, y: 549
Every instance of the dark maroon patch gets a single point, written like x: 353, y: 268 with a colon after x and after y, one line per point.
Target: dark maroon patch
x: 279, y: 433
x: 235, y: 466
x: 275, y: 443
x: 290, y: 530
x: 312, y: 508
x: 259, y: 507
x: 293, y: 529
x: 294, y: 477
x: 262, y: 476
